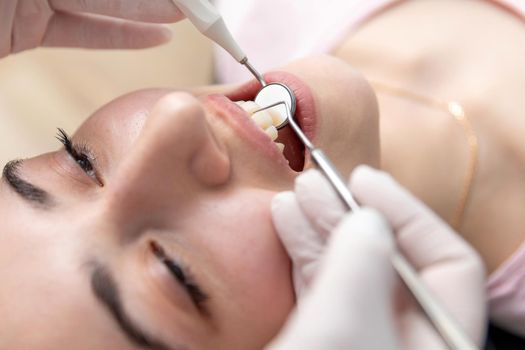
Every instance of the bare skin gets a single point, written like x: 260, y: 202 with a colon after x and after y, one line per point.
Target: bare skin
x: 467, y: 51
x: 168, y: 170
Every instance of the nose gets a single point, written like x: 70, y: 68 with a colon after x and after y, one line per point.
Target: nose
x: 176, y: 157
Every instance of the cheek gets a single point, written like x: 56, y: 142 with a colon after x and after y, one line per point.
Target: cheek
x: 44, y: 297
x: 259, y: 257
x: 253, y: 261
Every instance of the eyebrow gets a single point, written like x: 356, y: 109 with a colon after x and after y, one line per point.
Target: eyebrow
x: 26, y: 190
x: 106, y: 291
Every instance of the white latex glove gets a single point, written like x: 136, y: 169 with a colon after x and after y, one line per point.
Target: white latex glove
x: 356, y: 301
x: 107, y: 24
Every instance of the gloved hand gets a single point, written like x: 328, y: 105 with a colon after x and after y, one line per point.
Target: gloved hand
x: 108, y: 24
x: 349, y: 295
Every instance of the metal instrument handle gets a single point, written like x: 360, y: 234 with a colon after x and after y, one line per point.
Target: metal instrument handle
x: 447, y: 326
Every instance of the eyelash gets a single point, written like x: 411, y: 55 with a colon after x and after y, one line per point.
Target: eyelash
x: 83, y: 157
x: 197, y: 295
x: 81, y: 153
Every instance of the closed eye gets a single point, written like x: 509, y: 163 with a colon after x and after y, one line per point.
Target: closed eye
x: 192, y: 288
x: 81, y: 154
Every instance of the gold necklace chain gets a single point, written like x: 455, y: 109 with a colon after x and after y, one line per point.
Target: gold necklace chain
x: 456, y: 110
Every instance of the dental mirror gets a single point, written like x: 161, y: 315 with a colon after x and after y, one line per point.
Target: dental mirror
x: 273, y: 93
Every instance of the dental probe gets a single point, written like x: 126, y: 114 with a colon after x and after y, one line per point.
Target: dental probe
x: 209, y: 22
x: 446, y: 326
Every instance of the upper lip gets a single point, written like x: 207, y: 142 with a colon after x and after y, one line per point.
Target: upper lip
x: 237, y: 118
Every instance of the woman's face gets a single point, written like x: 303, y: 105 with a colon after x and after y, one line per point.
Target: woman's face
x: 152, y: 228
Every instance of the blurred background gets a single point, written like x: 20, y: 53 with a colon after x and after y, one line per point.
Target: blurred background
x: 43, y: 89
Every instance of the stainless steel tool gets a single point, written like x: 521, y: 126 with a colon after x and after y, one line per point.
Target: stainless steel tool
x: 209, y: 22
x: 449, y: 329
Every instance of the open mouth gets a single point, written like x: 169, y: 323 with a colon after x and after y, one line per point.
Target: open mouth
x: 292, y: 148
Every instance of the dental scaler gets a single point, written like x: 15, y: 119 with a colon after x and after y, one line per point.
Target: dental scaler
x: 207, y: 19
x: 209, y: 22
x: 280, y: 98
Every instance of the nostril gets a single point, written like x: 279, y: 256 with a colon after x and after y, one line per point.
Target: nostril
x: 189, y: 140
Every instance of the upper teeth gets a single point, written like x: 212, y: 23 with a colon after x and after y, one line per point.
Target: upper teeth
x: 263, y: 119
x: 267, y: 120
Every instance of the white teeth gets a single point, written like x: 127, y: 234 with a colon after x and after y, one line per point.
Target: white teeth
x: 267, y: 120
x: 280, y: 146
x: 272, y: 132
x: 277, y: 118
x: 250, y: 107
x: 263, y: 119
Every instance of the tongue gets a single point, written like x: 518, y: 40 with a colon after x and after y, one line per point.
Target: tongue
x: 293, y: 148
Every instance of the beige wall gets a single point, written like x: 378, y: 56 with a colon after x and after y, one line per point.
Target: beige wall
x: 43, y: 89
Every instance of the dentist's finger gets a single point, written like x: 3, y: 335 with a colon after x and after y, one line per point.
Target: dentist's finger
x: 299, y: 238
x: 443, y: 258
x: 319, y: 202
x: 350, y: 303
x: 158, y: 11
x: 90, y: 31
x: 29, y: 23
x: 419, y: 230
x: 8, y: 10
